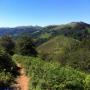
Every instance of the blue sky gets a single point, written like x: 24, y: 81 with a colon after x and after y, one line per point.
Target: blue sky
x: 43, y: 12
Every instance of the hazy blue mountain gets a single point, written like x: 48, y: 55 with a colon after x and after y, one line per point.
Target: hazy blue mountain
x: 19, y: 30
x: 77, y: 30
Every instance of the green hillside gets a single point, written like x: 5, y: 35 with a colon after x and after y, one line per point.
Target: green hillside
x: 67, y: 51
x: 54, y: 58
x: 76, y: 30
x: 57, y: 48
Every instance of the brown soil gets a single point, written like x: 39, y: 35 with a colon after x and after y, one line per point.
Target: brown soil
x: 22, y: 80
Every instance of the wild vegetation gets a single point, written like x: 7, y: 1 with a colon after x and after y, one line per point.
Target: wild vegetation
x: 52, y: 76
x: 67, y: 51
x: 55, y: 57
x: 8, y: 69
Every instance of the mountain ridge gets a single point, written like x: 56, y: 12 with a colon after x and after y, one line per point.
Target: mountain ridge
x: 77, y: 30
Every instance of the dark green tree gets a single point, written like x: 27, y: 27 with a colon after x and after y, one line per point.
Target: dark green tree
x: 8, y: 44
x: 25, y: 46
x: 6, y: 62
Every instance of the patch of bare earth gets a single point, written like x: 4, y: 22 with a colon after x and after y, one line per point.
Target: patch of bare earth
x: 22, y: 80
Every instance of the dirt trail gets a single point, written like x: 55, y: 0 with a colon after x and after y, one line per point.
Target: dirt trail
x: 22, y: 80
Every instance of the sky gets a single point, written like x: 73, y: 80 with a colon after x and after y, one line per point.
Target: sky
x: 43, y: 12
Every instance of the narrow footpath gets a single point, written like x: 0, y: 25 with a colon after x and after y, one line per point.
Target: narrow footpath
x: 22, y: 81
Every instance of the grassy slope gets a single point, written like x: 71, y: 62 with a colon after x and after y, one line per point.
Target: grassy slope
x: 57, y: 47
x: 67, y: 51
x: 52, y: 76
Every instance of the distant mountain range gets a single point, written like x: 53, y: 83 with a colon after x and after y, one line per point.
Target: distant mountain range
x: 77, y: 30
x: 19, y: 30
x: 47, y: 29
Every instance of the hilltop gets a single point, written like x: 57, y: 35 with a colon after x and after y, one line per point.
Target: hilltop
x: 73, y: 28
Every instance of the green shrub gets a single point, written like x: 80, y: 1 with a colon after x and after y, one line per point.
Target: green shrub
x: 6, y: 79
x: 6, y: 62
x: 87, y: 82
x: 25, y: 46
x: 8, y: 69
x: 51, y: 75
x: 79, y: 59
x: 8, y: 44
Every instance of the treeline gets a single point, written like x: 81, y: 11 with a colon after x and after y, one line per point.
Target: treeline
x: 22, y: 45
x: 8, y: 47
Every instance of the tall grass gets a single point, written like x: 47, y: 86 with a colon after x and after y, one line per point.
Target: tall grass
x: 51, y: 76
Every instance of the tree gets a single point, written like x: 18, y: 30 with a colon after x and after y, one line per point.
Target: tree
x: 6, y: 62
x: 25, y: 46
x: 8, y: 44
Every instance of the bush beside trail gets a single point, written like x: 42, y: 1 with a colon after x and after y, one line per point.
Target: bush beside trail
x: 52, y: 76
